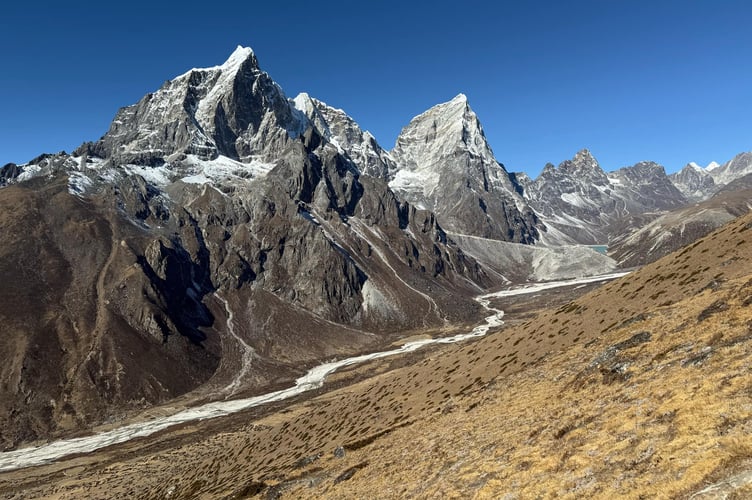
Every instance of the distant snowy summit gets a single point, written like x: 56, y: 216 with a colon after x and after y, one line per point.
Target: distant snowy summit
x: 710, y: 166
x: 699, y: 183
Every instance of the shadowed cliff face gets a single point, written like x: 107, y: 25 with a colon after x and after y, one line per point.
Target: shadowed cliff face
x: 91, y: 321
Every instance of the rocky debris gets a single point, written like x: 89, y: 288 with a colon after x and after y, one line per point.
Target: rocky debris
x: 611, y: 364
x: 306, y: 461
x: 698, y: 359
x: 521, y: 263
x: 612, y: 351
x: 728, y: 487
x: 349, y: 473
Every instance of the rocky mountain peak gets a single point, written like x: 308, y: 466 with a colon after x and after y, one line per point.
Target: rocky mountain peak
x: 584, y: 156
x: 583, y: 167
x: 441, y: 131
x: 234, y: 109
x: 584, y: 162
x: 343, y: 133
x: 241, y: 55
x: 739, y: 166
x: 446, y: 165
x: 643, y: 172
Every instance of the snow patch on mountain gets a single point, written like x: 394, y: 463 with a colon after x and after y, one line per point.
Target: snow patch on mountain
x: 223, y: 170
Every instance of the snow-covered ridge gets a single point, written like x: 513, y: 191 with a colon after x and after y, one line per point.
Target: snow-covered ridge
x: 222, y: 86
x: 238, y: 57
x: 710, y: 166
x: 344, y: 134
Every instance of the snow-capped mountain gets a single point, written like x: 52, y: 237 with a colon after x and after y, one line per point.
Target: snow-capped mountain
x: 695, y: 182
x: 580, y: 203
x: 225, y: 234
x: 235, y: 110
x: 698, y: 183
x: 446, y: 165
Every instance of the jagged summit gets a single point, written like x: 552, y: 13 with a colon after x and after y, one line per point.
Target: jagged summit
x: 710, y: 166
x: 442, y: 128
x: 739, y: 166
x: 578, y: 201
x: 341, y: 131
x: 240, y: 55
x: 234, y: 109
x: 584, y: 157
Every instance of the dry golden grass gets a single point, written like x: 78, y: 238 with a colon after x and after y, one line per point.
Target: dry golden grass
x: 567, y: 429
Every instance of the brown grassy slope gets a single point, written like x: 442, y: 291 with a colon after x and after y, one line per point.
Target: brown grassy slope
x: 662, y: 416
x: 497, y: 415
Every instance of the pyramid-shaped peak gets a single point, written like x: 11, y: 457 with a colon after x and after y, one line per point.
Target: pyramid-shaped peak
x: 449, y: 124
x: 583, y: 160
x: 241, y: 52
x: 458, y: 104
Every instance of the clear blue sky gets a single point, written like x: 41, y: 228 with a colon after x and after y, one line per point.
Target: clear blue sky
x: 669, y: 81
